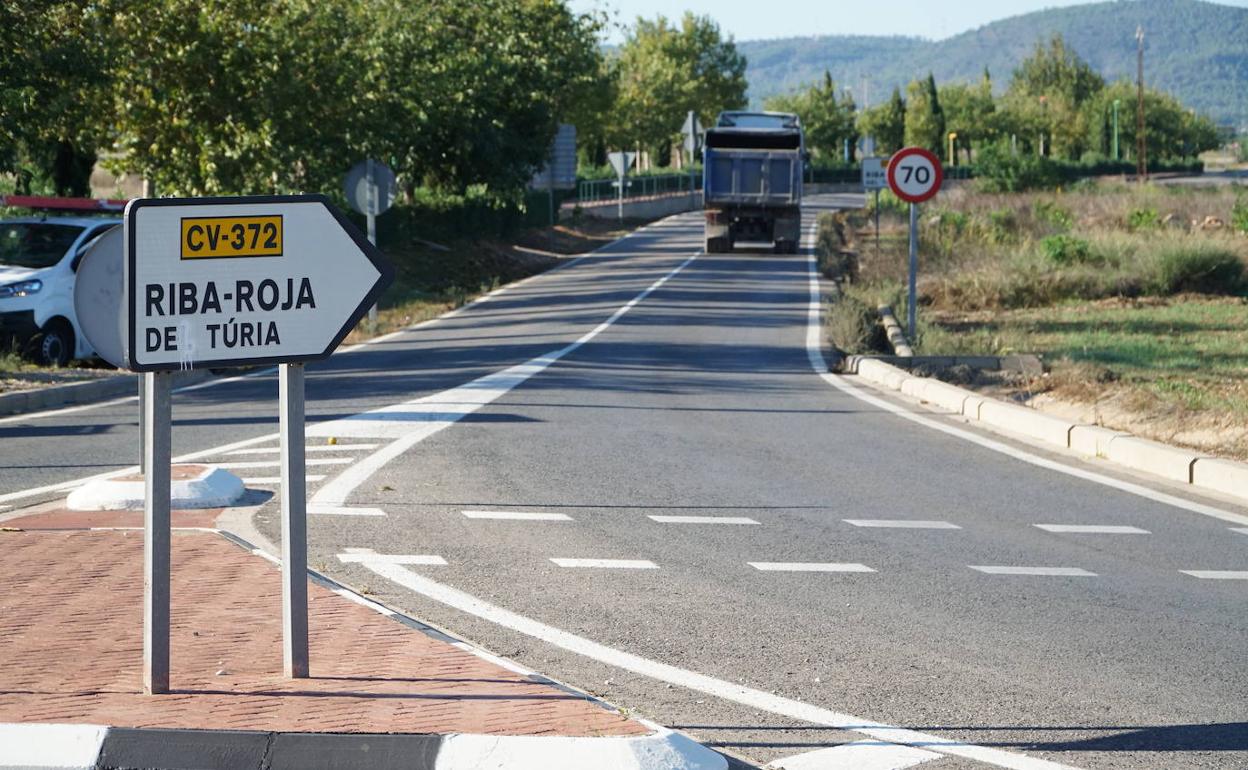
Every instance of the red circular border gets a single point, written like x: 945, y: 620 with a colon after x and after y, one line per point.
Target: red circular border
x: 905, y: 153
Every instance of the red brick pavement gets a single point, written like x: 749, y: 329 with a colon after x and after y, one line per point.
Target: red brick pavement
x: 71, y: 651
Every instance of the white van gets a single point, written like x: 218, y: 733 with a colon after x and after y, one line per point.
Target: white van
x: 39, y: 257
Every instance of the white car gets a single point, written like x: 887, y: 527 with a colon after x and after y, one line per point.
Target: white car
x: 39, y: 258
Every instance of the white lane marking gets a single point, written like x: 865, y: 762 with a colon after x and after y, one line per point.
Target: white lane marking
x: 1093, y: 529
x: 263, y: 480
x: 517, y: 515
x: 808, y: 566
x: 859, y: 755
x: 693, y: 680
x: 342, y: 510
x: 65, y: 486
x: 276, y: 463
x: 422, y: 418
x: 266, y: 450
x: 606, y: 563
x: 703, y: 519
x: 1045, y: 571
x: 902, y: 523
x: 379, y: 558
x: 814, y: 352
x: 1216, y: 574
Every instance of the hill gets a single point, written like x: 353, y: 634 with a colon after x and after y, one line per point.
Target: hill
x: 1197, y: 51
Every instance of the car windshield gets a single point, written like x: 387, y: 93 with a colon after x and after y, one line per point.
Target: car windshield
x: 35, y: 244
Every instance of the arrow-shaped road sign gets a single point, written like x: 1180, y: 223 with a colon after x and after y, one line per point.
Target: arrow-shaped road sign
x: 243, y: 281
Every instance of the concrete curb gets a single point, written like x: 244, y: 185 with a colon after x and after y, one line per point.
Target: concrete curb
x: 1173, y: 463
x: 212, y: 488
x: 96, y: 747
x: 74, y: 393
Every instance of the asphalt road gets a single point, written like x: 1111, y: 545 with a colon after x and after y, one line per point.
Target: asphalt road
x: 699, y: 399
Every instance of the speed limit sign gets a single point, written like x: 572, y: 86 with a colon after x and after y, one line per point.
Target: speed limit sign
x: 914, y: 174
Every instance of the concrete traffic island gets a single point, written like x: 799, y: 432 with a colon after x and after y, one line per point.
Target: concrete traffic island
x: 382, y: 694
x: 191, y: 487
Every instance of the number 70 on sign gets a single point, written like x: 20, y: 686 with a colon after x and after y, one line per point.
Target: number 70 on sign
x: 914, y: 174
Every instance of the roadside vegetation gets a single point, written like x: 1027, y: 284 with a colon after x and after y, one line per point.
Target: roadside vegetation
x: 1135, y: 296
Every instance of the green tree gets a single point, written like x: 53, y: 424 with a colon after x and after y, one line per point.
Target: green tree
x: 1171, y: 131
x: 970, y: 112
x: 828, y: 120
x: 925, y: 120
x: 664, y: 71
x: 1046, y: 98
x: 886, y: 123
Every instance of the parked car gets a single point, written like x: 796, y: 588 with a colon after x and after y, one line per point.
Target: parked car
x: 39, y: 257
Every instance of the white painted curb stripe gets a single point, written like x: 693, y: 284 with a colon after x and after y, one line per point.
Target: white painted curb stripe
x: 693, y: 680
x: 1043, y: 571
x: 50, y: 746
x: 902, y: 523
x: 859, y: 755
x: 666, y: 749
x: 807, y: 566
x: 1240, y: 530
x: 1093, y: 529
x: 381, y: 558
x: 1216, y: 574
x: 517, y: 515
x: 703, y: 519
x: 606, y: 563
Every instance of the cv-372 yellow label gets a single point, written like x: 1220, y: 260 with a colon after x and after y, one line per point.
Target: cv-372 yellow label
x: 231, y: 237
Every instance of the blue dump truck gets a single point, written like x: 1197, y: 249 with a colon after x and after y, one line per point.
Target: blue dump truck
x: 752, y: 181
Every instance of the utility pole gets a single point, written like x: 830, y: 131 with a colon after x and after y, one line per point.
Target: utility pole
x: 1141, y: 159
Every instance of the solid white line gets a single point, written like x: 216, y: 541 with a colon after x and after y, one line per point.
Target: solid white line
x: 902, y: 523
x: 1046, y: 571
x: 808, y: 566
x: 449, y: 406
x: 517, y: 515
x: 378, y: 558
x: 606, y: 563
x: 703, y: 519
x: 340, y: 510
x: 814, y: 351
x: 1216, y: 574
x: 859, y: 755
x: 718, y: 688
x: 1093, y: 529
x: 275, y: 463
x: 265, y: 450
x: 263, y: 480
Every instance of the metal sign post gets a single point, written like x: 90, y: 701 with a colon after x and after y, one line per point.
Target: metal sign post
x: 874, y: 178
x: 157, y: 453
x: 914, y: 175
x: 370, y: 188
x: 228, y: 282
x: 620, y: 161
x: 294, y: 523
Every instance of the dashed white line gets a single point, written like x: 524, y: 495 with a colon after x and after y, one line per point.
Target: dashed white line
x: 606, y: 563
x: 1093, y: 529
x: 902, y: 523
x: 1045, y: 571
x: 265, y: 450
x: 1216, y: 574
x: 859, y: 755
x: 263, y: 480
x: 342, y: 510
x: 703, y: 519
x: 517, y: 515
x: 693, y: 680
x: 275, y: 463
x: 808, y: 566
x: 426, y: 560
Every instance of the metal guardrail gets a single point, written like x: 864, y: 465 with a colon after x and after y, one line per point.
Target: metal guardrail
x: 637, y: 187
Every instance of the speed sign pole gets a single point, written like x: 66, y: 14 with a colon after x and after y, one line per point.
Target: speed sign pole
x: 914, y: 175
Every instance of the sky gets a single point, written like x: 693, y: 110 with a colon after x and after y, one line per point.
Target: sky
x: 796, y: 18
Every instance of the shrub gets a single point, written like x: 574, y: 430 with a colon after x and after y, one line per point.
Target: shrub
x: 851, y: 324
x: 999, y: 170
x: 1002, y: 226
x: 1239, y: 215
x: 1144, y: 219
x: 1197, y: 267
x: 1067, y: 250
x: 1051, y: 213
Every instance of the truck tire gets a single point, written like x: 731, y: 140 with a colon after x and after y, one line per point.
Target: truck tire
x: 54, y: 344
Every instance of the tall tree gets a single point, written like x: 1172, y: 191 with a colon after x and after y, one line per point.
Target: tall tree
x: 1046, y: 98
x: 970, y: 111
x: 925, y: 120
x: 828, y: 119
x: 886, y: 123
